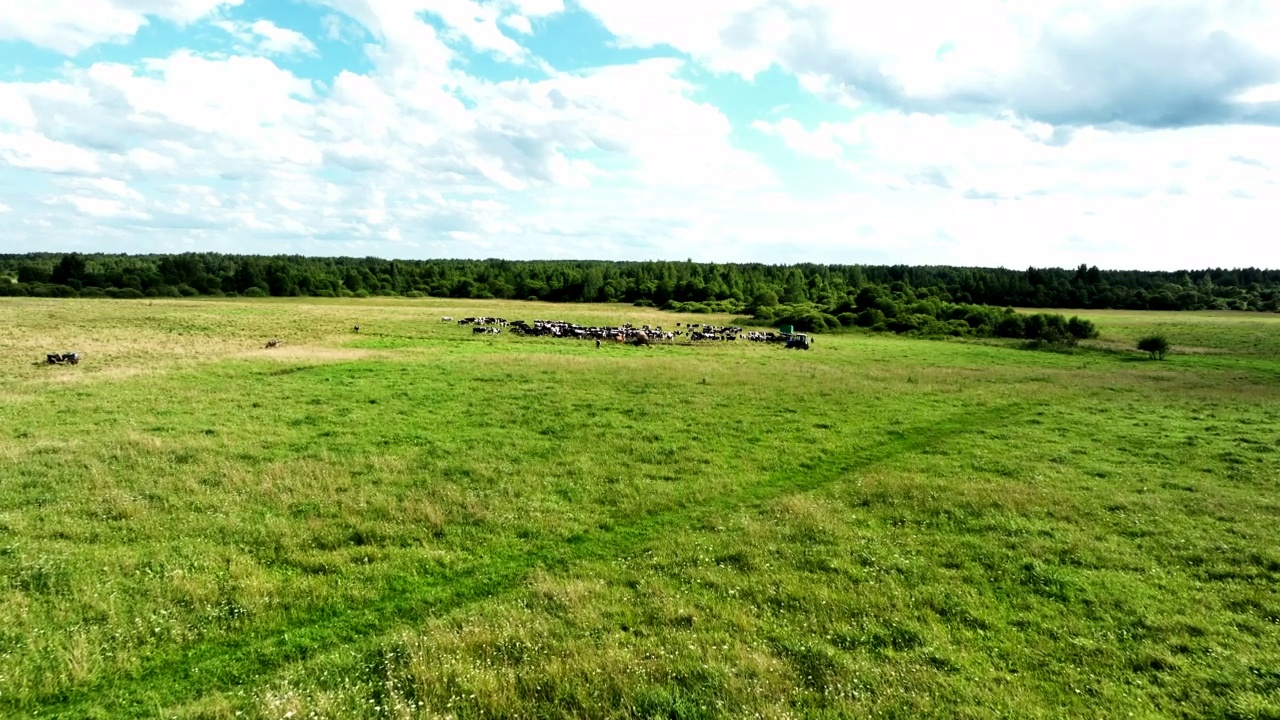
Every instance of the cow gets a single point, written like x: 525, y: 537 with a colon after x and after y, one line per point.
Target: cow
x: 356, y: 329
x: 274, y: 342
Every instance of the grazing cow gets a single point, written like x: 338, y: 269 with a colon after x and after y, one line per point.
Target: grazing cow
x: 356, y: 328
x: 70, y: 358
x: 274, y: 342
x: 446, y: 319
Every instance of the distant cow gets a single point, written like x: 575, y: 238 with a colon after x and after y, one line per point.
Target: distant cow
x: 274, y: 342
x: 446, y: 319
x: 356, y: 328
x: 70, y: 358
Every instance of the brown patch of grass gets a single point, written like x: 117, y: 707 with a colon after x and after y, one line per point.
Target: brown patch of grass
x: 311, y: 353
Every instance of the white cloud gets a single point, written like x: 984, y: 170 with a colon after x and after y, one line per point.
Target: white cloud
x: 1183, y: 62
x: 413, y: 156
x: 240, y: 145
x: 478, y: 23
x: 400, y: 25
x: 519, y: 23
x: 1260, y: 94
x: 71, y: 26
x: 32, y: 151
x: 819, y: 144
x: 1006, y: 159
x: 538, y: 8
x: 104, y: 208
x: 267, y: 37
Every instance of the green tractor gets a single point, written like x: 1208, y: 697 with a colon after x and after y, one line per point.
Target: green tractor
x: 798, y: 341
x: 795, y: 340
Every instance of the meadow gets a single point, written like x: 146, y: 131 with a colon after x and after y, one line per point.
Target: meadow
x: 415, y: 522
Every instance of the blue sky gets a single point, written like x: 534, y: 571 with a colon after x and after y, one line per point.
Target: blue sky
x: 1053, y: 132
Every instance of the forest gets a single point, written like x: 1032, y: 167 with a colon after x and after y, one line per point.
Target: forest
x: 897, y: 298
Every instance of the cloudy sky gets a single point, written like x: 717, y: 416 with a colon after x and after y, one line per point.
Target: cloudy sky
x: 1137, y: 134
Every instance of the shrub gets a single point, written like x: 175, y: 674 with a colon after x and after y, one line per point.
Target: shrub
x: 125, y: 293
x: 361, y: 293
x: 256, y: 292
x: 414, y: 294
x: 908, y: 323
x: 1156, y: 346
x: 642, y: 302
x: 1011, y: 326
x: 870, y: 318
x: 847, y: 319
x: 1082, y: 329
x: 58, y: 291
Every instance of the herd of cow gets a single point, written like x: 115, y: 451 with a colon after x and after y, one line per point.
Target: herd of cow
x: 643, y: 335
x: 628, y: 333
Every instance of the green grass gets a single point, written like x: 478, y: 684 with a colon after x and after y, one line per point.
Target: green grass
x: 416, y: 522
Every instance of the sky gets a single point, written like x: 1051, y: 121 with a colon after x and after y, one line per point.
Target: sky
x: 1142, y: 134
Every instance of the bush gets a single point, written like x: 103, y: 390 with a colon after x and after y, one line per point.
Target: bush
x: 53, y: 291
x: 643, y: 302
x: 870, y: 318
x: 1081, y: 329
x: 361, y: 293
x: 847, y: 319
x: 414, y: 294
x: 187, y: 291
x: 804, y: 322
x: 254, y: 292
x: 1156, y: 346
x: 1011, y: 326
x: 125, y: 293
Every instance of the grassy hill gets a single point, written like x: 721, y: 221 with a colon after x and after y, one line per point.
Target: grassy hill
x: 418, y: 522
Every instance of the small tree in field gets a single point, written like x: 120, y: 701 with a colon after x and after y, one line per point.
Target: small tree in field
x: 1154, y: 345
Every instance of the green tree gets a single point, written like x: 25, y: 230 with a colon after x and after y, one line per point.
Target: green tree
x: 795, y: 290
x: 70, y: 270
x: 1156, y: 346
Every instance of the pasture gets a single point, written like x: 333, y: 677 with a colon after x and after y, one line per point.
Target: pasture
x: 416, y: 522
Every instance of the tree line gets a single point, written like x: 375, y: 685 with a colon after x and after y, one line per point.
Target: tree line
x: 831, y: 290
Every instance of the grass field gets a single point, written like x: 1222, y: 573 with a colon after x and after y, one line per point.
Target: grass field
x: 414, y: 522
